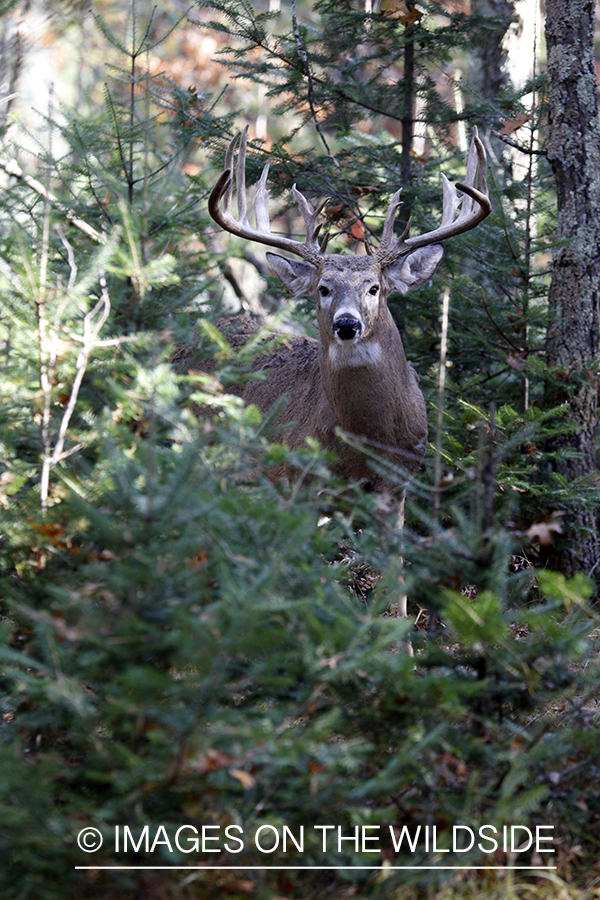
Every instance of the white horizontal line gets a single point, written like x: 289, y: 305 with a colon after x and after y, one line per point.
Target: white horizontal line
x: 278, y: 868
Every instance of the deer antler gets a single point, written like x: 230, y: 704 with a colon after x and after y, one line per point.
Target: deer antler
x: 308, y: 249
x: 469, y: 216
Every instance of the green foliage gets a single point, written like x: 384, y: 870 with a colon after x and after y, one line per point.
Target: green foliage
x: 184, y: 655
x: 186, y: 641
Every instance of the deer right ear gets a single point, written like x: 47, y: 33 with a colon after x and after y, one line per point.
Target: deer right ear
x: 295, y: 275
x: 414, y: 269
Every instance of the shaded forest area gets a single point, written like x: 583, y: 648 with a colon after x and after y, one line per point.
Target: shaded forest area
x: 201, y: 665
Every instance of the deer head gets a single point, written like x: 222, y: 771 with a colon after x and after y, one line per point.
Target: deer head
x: 351, y: 291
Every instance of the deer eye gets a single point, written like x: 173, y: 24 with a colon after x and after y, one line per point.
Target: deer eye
x: 374, y: 289
x: 324, y: 291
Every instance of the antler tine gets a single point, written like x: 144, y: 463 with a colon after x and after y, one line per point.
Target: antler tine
x: 261, y: 202
x: 309, y: 215
x: 387, y: 235
x: 223, y: 189
x: 477, y: 164
x: 391, y: 248
x: 240, y: 180
x: 450, y: 201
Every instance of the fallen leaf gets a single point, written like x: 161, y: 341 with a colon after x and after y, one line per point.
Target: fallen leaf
x: 245, y: 778
x: 510, y: 125
x: 212, y: 760
x: 407, y: 13
x: 543, y: 531
x: 357, y: 230
x: 516, y: 361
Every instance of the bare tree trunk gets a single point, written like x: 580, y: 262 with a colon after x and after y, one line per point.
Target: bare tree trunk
x: 572, y: 340
x: 12, y: 54
x: 408, y: 99
x: 488, y: 72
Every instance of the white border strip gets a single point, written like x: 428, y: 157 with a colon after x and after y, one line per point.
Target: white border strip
x: 321, y: 868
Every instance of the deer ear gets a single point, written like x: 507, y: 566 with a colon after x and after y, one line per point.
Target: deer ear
x: 295, y: 275
x: 414, y: 269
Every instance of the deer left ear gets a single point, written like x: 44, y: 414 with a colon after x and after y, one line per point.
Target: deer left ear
x: 295, y: 275
x: 414, y: 269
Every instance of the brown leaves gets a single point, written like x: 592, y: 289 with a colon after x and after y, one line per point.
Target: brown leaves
x: 199, y: 560
x: 451, y: 771
x: 544, y: 531
x: 511, y: 125
x: 215, y: 759
x: 407, y: 13
x: 245, y: 778
x: 517, y: 361
x: 212, y: 760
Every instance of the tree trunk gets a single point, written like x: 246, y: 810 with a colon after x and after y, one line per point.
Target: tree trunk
x: 408, y: 112
x: 572, y: 340
x: 488, y: 74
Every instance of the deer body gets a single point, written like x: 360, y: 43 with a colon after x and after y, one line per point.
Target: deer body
x: 355, y: 379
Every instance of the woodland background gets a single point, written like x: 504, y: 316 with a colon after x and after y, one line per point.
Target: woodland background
x: 180, y: 641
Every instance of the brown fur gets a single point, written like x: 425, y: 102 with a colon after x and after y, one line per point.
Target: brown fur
x: 376, y: 403
x: 355, y: 379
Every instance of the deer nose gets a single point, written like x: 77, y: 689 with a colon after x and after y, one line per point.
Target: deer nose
x: 347, y: 327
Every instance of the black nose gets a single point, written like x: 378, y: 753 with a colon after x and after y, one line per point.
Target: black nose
x: 347, y: 327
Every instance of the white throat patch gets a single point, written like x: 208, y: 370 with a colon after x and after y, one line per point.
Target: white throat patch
x: 352, y: 354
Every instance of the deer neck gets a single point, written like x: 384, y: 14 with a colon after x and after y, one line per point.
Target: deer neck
x: 365, y: 382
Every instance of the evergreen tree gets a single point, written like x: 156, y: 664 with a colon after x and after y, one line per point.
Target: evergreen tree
x: 184, y: 643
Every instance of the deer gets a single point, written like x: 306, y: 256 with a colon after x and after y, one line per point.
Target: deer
x: 353, y: 388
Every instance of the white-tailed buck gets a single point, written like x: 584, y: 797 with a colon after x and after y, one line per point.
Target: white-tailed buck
x: 355, y: 379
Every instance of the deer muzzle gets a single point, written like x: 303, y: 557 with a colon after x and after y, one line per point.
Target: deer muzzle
x: 347, y: 327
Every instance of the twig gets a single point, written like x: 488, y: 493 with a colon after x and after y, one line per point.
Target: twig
x: 440, y: 404
x: 93, y: 321
x: 91, y: 330
x: 12, y: 168
x: 528, y: 151
x: 47, y: 343
x: 309, y: 83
